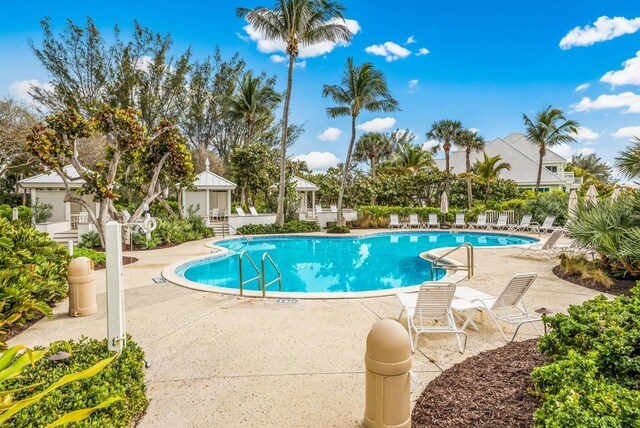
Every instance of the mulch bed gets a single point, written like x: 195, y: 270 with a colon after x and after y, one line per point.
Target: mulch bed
x: 620, y: 286
x: 126, y: 260
x: 487, y: 390
x: 15, y: 330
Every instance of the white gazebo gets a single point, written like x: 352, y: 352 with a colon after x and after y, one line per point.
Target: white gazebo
x: 304, y: 187
x: 211, y: 197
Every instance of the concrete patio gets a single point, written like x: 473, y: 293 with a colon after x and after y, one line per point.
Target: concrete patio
x: 217, y: 360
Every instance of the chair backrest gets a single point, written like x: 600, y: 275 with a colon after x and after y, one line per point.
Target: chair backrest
x: 433, y: 218
x: 393, y: 218
x: 214, y: 212
x: 548, y: 222
x: 240, y: 211
x: 526, y: 220
x: 253, y: 210
x: 515, y: 289
x: 334, y: 209
x: 460, y: 218
x: 502, y: 220
x: 434, y: 299
x: 552, y: 240
x: 482, y: 219
x: 413, y: 219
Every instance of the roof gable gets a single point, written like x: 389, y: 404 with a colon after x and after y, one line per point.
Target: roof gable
x: 523, y: 144
x: 304, y: 185
x: 210, y: 181
x: 51, y: 179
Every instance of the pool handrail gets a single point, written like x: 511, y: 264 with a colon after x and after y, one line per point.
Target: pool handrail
x: 242, y: 283
x: 267, y: 256
x: 468, y: 267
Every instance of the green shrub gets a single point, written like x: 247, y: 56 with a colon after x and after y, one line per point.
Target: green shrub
x: 548, y: 204
x: 334, y: 228
x: 90, y: 240
x: 42, y: 213
x: 98, y: 257
x: 591, y: 271
x: 124, y: 377
x: 24, y: 213
x: 33, y: 273
x: 172, y: 230
x: 293, y: 226
x: 378, y: 216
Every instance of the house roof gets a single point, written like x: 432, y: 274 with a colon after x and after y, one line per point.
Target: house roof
x: 303, y: 185
x: 523, y: 144
x: 207, y: 180
x: 51, y: 180
x: 524, y: 170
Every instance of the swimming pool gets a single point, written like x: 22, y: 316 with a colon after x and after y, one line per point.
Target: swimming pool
x: 334, y: 265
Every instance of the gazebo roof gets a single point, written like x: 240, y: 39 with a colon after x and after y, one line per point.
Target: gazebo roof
x: 303, y: 185
x: 207, y: 180
x: 51, y: 180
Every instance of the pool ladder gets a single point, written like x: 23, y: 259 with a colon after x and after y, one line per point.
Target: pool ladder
x: 260, y: 274
x: 468, y: 267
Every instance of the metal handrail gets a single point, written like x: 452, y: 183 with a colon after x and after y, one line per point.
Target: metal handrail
x: 468, y: 267
x: 242, y: 283
x: 278, y: 278
x: 237, y: 231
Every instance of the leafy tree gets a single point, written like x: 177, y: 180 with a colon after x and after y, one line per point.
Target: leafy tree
x: 297, y: 23
x: 136, y: 158
x: 363, y: 87
x: 372, y: 147
x: 591, y: 167
x: 470, y: 141
x: 549, y: 128
x: 628, y: 160
x: 446, y: 132
x: 489, y: 169
x: 15, y: 121
x: 409, y: 159
x: 255, y: 168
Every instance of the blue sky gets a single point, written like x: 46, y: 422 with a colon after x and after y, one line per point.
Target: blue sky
x: 487, y: 63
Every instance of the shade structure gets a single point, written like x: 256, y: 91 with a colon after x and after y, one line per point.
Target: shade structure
x: 444, y: 203
x: 592, y: 195
x: 616, y: 194
x: 573, y: 203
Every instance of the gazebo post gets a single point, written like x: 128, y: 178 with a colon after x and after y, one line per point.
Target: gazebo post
x: 313, y: 201
x: 228, y: 202
x: 206, y: 204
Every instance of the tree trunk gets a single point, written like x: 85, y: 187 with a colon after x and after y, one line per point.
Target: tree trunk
x: 486, y: 192
x: 469, y: 187
x: 243, y: 195
x: 447, y: 187
x: 373, y: 162
x: 346, y: 169
x: 542, y: 153
x: 283, y: 145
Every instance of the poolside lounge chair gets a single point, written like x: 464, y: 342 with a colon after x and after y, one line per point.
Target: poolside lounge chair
x: 508, y: 307
x: 333, y: 208
x: 240, y: 211
x: 433, y: 221
x: 481, y: 222
x: 549, y: 249
x: 252, y: 210
x: 525, y: 223
x: 394, y: 221
x: 459, y: 221
x: 432, y: 302
x: 500, y: 224
x: 414, y: 221
x: 547, y: 225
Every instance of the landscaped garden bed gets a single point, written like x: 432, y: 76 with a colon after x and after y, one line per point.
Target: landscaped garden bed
x: 619, y: 286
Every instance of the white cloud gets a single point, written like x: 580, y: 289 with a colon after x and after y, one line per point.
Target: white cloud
x: 277, y: 58
x: 422, y: 51
x: 410, y: 41
x: 584, y: 151
x: 319, y: 161
x: 627, y: 132
x: 474, y: 130
x: 330, y: 134
x: 377, y: 125
x: 586, y: 134
x: 429, y: 144
x: 301, y: 64
x: 412, y: 84
x: 628, y: 101
x: 20, y: 88
x: 582, y: 87
x: 604, y: 28
x: 629, y: 75
x: 567, y: 151
x: 271, y: 46
x: 391, y: 51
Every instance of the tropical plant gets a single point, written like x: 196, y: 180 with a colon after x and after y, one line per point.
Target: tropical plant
x: 489, y: 169
x: 42, y: 213
x: 334, y: 228
x: 293, y: 226
x: 591, y: 167
x: 628, y: 160
x: 372, y: 147
x: 548, y: 204
x: 363, y: 88
x: 24, y: 213
x: 590, y: 271
x: 548, y: 129
x: 98, y: 257
x: 409, y: 159
x: 470, y: 141
x: 297, y: 23
x: 89, y: 240
x: 446, y: 132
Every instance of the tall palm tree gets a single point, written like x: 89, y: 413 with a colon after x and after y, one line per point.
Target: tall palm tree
x: 372, y: 147
x: 489, y: 169
x: 470, y: 141
x: 253, y: 103
x: 549, y: 129
x: 363, y: 87
x: 409, y: 160
x: 297, y: 23
x: 445, y: 132
x: 628, y: 160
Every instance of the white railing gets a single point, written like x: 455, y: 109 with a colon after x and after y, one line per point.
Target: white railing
x: 75, y: 219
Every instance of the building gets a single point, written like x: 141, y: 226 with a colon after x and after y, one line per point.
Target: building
x: 523, y: 156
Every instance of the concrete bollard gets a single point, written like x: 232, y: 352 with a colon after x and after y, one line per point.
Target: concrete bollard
x: 388, y: 384
x: 82, y: 287
x: 15, y: 214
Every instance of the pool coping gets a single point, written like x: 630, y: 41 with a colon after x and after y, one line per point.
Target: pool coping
x: 169, y: 272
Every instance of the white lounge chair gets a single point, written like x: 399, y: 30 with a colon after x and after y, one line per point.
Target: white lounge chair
x: 432, y: 302
x: 547, y: 225
x: 414, y: 221
x: 508, y: 307
x: 481, y: 222
x: 548, y: 248
x: 459, y: 221
x: 394, y: 221
x: 500, y: 224
x: 433, y: 221
x: 253, y: 210
x: 525, y: 223
x: 240, y: 211
x: 333, y: 208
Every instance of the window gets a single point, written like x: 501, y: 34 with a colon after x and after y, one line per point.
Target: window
x: 552, y: 168
x: 544, y: 189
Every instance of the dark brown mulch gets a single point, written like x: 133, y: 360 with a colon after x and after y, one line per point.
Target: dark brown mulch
x: 126, y: 260
x: 15, y: 330
x: 487, y: 390
x: 620, y: 286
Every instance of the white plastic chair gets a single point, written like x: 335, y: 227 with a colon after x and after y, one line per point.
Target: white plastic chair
x: 459, y: 221
x: 413, y: 221
x: 525, y: 223
x: 500, y: 224
x: 548, y: 248
x: 547, y: 225
x: 432, y: 302
x: 508, y: 307
x: 394, y: 221
x: 481, y: 222
x: 253, y: 210
x: 433, y: 221
x: 240, y: 211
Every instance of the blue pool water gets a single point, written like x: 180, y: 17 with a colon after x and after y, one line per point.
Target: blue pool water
x: 337, y: 264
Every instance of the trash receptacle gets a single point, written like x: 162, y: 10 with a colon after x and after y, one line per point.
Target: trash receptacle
x: 82, y: 287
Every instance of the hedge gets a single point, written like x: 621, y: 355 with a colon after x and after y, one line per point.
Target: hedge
x: 24, y: 213
x: 293, y: 226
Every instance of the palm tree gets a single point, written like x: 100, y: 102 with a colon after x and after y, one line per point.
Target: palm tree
x: 409, y: 160
x: 628, y: 160
x: 372, y: 147
x: 547, y: 132
x: 470, y: 141
x: 253, y: 103
x: 445, y: 132
x: 362, y: 88
x: 297, y: 23
x: 489, y: 169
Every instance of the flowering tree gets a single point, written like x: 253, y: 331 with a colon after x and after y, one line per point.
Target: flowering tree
x: 136, y: 158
